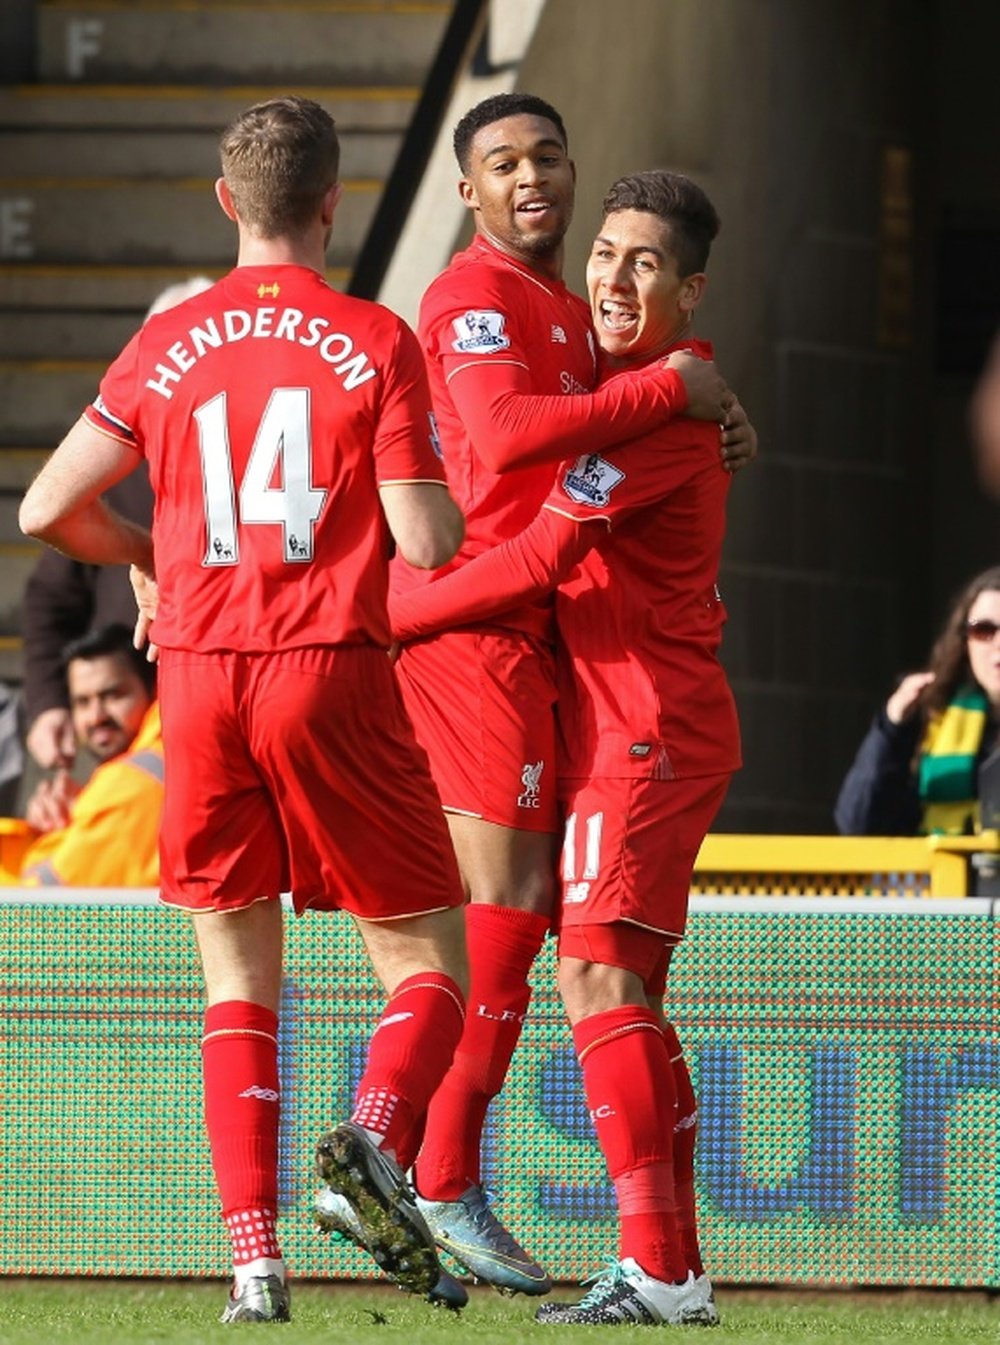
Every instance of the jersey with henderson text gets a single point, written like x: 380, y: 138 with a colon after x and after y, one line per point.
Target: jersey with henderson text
x: 270, y: 409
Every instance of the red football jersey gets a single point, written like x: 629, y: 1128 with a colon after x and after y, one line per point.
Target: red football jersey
x: 512, y: 360
x: 488, y: 309
x: 270, y: 409
x: 641, y: 688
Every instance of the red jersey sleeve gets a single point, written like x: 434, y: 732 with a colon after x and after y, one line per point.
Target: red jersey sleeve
x: 115, y: 409
x: 611, y: 486
x: 406, y: 445
x: 511, y: 427
x: 485, y: 357
x: 593, y: 488
x: 518, y: 571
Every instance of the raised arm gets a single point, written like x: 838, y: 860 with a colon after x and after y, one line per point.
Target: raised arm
x: 518, y: 571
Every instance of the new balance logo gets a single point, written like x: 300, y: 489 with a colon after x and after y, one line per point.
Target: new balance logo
x: 265, y: 1094
x: 575, y: 893
x: 558, y: 334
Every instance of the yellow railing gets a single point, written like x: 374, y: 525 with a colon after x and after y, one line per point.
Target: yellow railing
x: 839, y: 866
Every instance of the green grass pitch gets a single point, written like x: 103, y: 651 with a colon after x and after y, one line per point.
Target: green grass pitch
x: 96, y: 1312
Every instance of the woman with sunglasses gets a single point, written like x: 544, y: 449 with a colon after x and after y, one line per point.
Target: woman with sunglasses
x: 916, y: 772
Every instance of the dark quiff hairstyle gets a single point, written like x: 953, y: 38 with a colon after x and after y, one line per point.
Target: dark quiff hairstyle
x: 949, y: 660
x: 279, y: 159
x: 496, y: 108
x: 678, y: 201
x: 112, y: 641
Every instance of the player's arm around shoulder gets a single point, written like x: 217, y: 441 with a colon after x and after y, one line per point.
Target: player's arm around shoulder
x: 426, y: 524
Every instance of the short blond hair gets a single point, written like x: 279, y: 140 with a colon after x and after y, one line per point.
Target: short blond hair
x: 279, y: 159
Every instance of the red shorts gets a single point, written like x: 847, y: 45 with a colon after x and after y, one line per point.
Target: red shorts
x: 646, y: 952
x: 483, y: 707
x: 297, y: 771
x: 629, y: 850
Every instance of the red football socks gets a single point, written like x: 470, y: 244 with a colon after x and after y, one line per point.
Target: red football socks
x: 629, y: 1087
x: 242, y: 1108
x: 503, y: 943
x: 685, y: 1133
x: 408, y: 1055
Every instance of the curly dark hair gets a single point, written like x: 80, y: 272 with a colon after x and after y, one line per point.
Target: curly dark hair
x: 949, y: 660
x: 497, y: 108
x: 112, y: 641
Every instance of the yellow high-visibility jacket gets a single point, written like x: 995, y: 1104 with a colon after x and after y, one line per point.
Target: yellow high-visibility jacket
x: 112, y: 836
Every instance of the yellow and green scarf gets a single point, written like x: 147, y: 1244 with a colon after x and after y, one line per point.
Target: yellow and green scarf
x: 946, y: 769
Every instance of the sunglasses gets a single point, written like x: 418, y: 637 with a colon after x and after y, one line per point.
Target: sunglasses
x: 981, y: 631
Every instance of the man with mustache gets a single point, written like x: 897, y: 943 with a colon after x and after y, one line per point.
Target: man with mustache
x: 103, y: 834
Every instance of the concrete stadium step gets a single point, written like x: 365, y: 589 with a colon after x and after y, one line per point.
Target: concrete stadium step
x: 17, y: 560
x: 9, y: 502
x: 11, y: 659
x: 143, y: 221
x: 44, y: 129
x: 18, y: 468
x: 77, y: 336
x: 43, y: 398
x: 365, y: 42
x: 26, y: 288
x: 167, y: 154
x: 178, y: 107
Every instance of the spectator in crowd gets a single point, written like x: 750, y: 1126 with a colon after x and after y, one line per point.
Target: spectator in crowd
x: 648, y: 737
x: 64, y: 598
x: 284, y: 465
x: 104, y: 834
x: 916, y: 770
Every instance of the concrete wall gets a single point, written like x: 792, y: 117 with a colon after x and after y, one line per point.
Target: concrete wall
x: 818, y: 128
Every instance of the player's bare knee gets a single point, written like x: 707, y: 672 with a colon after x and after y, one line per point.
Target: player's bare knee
x: 594, y: 987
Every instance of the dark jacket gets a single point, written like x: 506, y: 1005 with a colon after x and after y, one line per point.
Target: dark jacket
x: 879, y: 795
x: 64, y: 599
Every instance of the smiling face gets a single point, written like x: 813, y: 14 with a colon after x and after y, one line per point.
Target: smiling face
x: 984, y: 654
x: 639, y: 303
x: 520, y: 185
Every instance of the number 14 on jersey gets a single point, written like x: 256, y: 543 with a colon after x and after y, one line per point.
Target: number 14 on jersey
x: 282, y: 444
